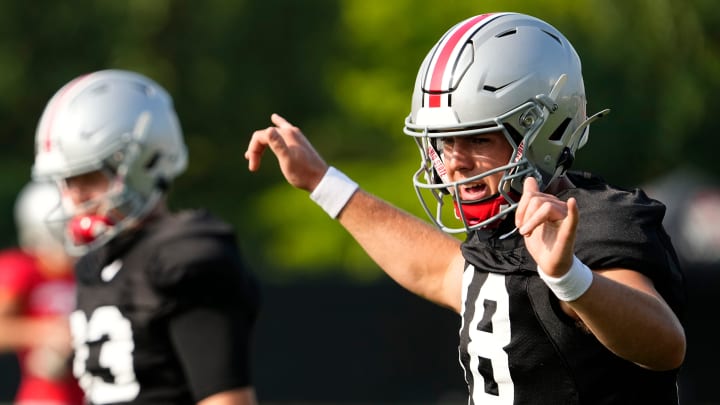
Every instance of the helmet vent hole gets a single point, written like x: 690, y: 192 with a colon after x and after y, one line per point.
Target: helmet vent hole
x: 553, y: 36
x: 493, y: 89
x: 506, y: 33
x: 162, y: 184
x: 560, y: 130
x: 142, y: 88
x: 99, y: 90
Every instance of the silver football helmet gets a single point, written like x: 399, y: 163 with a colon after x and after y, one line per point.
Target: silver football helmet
x: 118, y: 122
x: 37, y: 214
x: 503, y: 73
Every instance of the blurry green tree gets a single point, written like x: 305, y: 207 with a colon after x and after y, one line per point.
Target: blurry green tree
x: 343, y: 70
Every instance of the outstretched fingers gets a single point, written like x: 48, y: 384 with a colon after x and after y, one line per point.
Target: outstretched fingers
x: 280, y: 122
x: 536, y: 208
x: 530, y: 187
x: 541, y: 211
x: 269, y: 137
x: 261, y: 140
x: 299, y: 162
x: 569, y: 225
x: 549, y: 226
x: 255, y: 149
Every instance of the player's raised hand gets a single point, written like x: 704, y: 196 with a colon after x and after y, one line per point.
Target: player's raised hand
x: 299, y: 162
x: 548, y: 225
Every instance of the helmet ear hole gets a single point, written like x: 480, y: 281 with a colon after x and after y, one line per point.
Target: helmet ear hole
x: 162, y: 184
x: 152, y: 161
x: 560, y: 130
x: 566, y: 159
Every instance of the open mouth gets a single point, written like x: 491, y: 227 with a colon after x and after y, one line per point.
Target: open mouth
x: 474, y: 192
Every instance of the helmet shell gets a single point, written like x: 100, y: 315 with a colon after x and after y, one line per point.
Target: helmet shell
x: 91, y: 122
x: 506, y: 73
x: 122, y: 123
x: 488, y: 65
x: 37, y: 208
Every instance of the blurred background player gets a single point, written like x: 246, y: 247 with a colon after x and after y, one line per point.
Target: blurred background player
x: 165, y: 305
x: 37, y: 293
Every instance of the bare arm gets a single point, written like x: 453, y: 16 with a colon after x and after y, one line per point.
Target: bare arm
x: 47, y: 339
x: 627, y: 314
x: 22, y: 332
x: 415, y: 254
x: 418, y: 256
x: 621, y: 307
x: 240, y: 396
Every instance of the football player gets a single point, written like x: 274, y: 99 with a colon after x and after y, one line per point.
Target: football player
x: 37, y: 293
x: 165, y: 305
x: 568, y: 288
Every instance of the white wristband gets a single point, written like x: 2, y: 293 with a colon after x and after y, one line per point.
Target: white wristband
x: 334, y: 191
x: 572, y: 284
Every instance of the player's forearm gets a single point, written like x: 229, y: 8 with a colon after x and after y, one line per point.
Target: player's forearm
x: 636, y: 325
x: 411, y: 251
x: 18, y: 333
x: 240, y: 396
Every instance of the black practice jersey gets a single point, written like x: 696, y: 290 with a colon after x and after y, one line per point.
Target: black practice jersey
x: 164, y: 315
x: 518, y: 347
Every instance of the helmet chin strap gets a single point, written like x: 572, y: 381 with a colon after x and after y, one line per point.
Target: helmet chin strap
x: 89, y: 231
x: 85, y: 229
x: 480, y: 211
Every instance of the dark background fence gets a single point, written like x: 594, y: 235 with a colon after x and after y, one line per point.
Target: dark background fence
x: 333, y: 342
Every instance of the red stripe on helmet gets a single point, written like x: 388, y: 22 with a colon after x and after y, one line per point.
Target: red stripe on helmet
x: 443, y: 58
x: 434, y: 100
x: 52, y: 111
